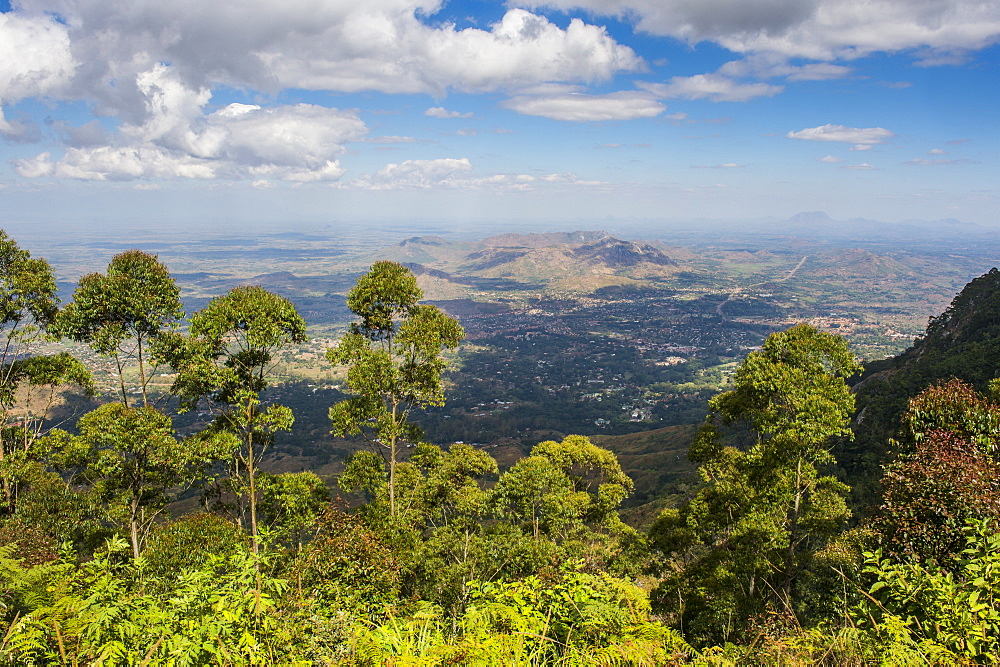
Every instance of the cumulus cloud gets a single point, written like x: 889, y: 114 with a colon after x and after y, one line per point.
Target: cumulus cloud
x: 864, y: 166
x: 822, y: 30
x: 441, y: 112
x: 714, y: 87
x: 830, y: 158
x: 35, y: 57
x: 852, y: 135
x: 294, y: 143
x: 338, y: 45
x: 579, y: 107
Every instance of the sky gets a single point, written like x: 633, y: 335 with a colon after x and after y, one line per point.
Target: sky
x: 193, y: 111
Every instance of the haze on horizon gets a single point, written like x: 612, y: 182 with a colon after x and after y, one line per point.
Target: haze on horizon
x: 463, y: 112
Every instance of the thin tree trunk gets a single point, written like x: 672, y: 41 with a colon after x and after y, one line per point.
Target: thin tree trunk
x: 392, y: 463
x: 134, y: 527
x: 121, y: 380
x: 142, y: 372
x: 253, y: 494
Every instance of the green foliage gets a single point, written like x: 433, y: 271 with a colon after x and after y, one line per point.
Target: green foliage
x: 737, y: 548
x: 98, y: 614
x: 950, y: 616
x: 348, y: 570
x: 568, y: 618
x: 132, y: 458
x: 122, y: 312
x: 290, y: 504
x: 58, y: 512
x: 960, y: 343
x: 955, y: 407
x: 189, y: 543
x: 394, y: 357
x: 564, y: 489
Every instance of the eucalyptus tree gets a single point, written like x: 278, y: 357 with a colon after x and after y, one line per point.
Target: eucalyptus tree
x: 228, y: 359
x: 736, y: 549
x: 121, y: 313
x: 394, y: 357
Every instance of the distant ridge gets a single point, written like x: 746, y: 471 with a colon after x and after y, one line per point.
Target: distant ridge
x: 619, y: 254
x: 544, y: 240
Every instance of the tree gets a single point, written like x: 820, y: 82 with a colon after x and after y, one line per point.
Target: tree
x: 132, y: 457
x: 563, y: 487
x: 28, y: 307
x: 394, y: 357
x: 121, y: 313
x: 738, y: 546
x: 228, y: 359
x: 945, y: 476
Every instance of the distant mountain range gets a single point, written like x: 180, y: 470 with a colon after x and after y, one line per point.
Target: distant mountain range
x: 584, y: 260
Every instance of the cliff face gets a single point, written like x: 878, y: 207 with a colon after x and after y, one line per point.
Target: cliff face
x: 963, y: 342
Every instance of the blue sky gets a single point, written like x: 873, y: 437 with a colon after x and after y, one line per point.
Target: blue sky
x: 558, y: 110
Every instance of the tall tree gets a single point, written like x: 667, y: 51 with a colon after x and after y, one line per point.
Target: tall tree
x: 737, y: 547
x: 120, y: 313
x: 394, y: 357
x: 228, y: 359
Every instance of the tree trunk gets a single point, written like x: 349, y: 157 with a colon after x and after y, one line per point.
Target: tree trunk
x: 134, y: 527
x: 392, y: 463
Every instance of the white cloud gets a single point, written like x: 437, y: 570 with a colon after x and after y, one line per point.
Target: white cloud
x: 852, y: 135
x: 864, y: 166
x: 117, y: 164
x: 339, y: 45
x: 729, y: 165
x: 938, y: 162
x: 714, y: 87
x: 295, y: 143
x: 578, y: 107
x: 457, y: 174
x: 937, y: 151
x: 441, y: 112
x: 36, y: 167
x: 416, y: 174
x: 830, y: 158
x: 814, y: 29
x: 35, y: 57
x: 860, y: 147
x: 392, y: 140
x: 772, y: 65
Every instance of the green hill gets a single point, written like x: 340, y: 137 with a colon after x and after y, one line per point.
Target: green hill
x: 963, y: 342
